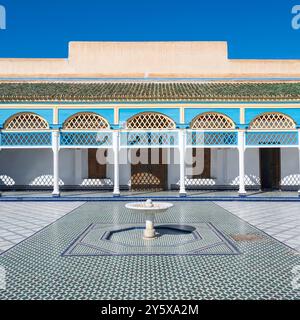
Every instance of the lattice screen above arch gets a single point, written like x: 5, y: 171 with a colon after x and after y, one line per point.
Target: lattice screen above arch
x: 26, y: 121
x: 86, y: 121
x: 212, y: 121
x: 273, y: 120
x: 150, y: 120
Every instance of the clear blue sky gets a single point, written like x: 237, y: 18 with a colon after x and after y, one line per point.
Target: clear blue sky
x: 254, y: 28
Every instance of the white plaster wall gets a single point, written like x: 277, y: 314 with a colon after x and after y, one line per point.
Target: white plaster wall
x: 290, y: 167
x: 174, y: 167
x: 24, y: 166
x: 251, y: 167
x: 125, y: 169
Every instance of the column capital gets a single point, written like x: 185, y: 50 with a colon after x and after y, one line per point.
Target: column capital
x: 55, y: 132
x: 241, y: 140
x: 55, y: 141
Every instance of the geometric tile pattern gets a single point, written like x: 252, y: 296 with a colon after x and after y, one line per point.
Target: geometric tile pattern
x: 198, y: 182
x: 35, y: 268
x: 279, y: 220
x: 150, y: 120
x: 212, y: 120
x: 194, y: 138
x: 26, y: 121
x: 26, y: 139
x: 44, y: 180
x: 86, y: 139
x: 96, y: 182
x: 18, y: 221
x: 290, y: 180
x: 149, y: 138
x: 173, y: 239
x: 271, y: 138
x: 6, y: 180
x: 86, y: 121
x: 272, y: 120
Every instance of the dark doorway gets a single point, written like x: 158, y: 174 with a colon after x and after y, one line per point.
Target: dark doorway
x: 150, y: 175
x: 96, y: 170
x: 270, y: 168
x: 206, y: 154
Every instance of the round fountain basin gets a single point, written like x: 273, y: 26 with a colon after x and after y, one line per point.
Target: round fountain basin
x: 149, y: 209
x: 156, y: 207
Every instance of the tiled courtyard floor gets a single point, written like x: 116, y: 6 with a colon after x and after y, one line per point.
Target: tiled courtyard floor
x: 280, y: 220
x: 19, y: 221
x: 36, y: 268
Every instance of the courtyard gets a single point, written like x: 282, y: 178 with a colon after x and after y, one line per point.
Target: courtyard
x: 243, y: 250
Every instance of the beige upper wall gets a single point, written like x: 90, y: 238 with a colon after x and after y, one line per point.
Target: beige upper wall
x: 153, y: 59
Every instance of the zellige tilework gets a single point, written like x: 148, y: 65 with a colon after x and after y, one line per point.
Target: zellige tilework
x: 36, y: 269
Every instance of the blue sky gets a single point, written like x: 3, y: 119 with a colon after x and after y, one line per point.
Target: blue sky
x: 253, y: 29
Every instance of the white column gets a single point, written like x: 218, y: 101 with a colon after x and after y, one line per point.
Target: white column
x: 78, y: 166
x: 299, y: 169
x: 182, y: 192
x: 0, y: 151
x: 241, y: 149
x: 299, y: 156
x: 116, y: 148
x: 55, y: 149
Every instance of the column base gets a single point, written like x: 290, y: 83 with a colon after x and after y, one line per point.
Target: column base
x: 298, y: 193
x: 182, y: 194
x: 55, y: 195
x: 243, y: 194
x: 116, y: 194
x: 149, y: 234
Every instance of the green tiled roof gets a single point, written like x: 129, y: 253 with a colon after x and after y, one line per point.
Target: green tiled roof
x: 149, y: 91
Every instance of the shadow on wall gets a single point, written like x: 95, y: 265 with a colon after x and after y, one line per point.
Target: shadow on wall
x: 47, y: 181
x: 97, y: 182
x: 144, y: 179
x: 290, y: 180
x: 44, y: 180
x: 198, y: 182
x: 6, y: 180
x: 250, y: 180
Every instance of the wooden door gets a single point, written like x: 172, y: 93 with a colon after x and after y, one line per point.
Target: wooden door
x: 150, y: 176
x: 206, y: 173
x: 96, y: 170
x: 270, y: 165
